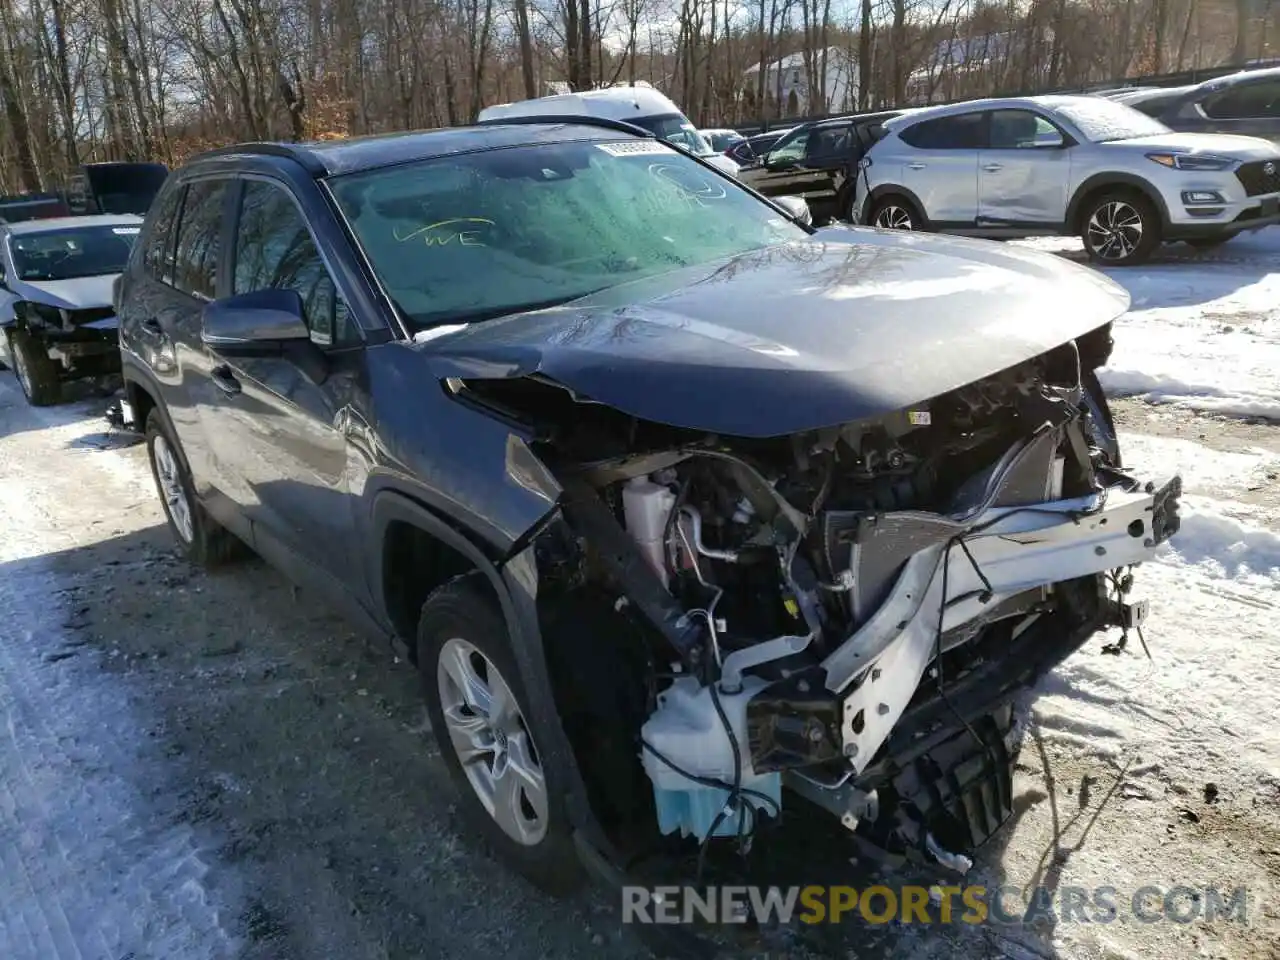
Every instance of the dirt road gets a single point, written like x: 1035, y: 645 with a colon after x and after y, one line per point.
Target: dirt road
x: 197, y: 766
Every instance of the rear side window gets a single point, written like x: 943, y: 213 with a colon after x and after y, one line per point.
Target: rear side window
x: 274, y: 249
x: 1246, y: 101
x: 964, y: 132
x: 199, y: 234
x: 157, y: 256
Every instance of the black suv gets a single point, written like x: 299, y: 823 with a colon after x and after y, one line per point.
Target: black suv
x: 645, y: 474
x: 819, y: 161
x: 1246, y: 103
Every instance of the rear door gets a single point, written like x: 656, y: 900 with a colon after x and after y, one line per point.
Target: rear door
x: 1024, y: 174
x: 182, y: 262
x: 277, y: 423
x: 941, y: 166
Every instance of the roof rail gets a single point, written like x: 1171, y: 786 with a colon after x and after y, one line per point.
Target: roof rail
x: 268, y: 149
x: 581, y: 120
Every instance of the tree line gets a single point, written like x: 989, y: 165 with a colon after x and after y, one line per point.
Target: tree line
x: 92, y: 80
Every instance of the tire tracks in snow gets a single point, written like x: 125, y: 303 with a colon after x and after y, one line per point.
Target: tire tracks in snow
x: 90, y: 869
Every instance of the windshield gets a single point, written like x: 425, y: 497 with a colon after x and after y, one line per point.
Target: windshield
x: 1101, y: 120
x: 466, y: 237
x: 72, y: 252
x: 674, y: 128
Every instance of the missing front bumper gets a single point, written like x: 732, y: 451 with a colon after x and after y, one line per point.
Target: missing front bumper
x: 969, y: 569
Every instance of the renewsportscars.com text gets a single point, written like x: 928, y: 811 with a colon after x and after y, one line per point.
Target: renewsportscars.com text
x: 930, y: 905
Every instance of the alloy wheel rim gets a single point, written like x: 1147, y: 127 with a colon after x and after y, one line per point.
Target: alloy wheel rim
x: 1115, y: 230
x: 171, y: 489
x: 489, y: 735
x: 894, y: 218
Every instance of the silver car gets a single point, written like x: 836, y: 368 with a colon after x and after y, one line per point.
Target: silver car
x: 1082, y: 165
x: 57, y: 322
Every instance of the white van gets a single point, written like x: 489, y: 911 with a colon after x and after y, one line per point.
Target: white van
x: 642, y: 106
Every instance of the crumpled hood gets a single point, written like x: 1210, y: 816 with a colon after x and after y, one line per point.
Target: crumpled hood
x: 852, y: 323
x: 1215, y: 144
x: 77, y: 294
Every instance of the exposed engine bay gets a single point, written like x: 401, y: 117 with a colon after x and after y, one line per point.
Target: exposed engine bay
x: 849, y: 612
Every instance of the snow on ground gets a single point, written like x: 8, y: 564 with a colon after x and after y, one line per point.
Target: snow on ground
x: 1136, y: 771
x: 1203, y: 331
x: 90, y: 866
x: 1215, y: 605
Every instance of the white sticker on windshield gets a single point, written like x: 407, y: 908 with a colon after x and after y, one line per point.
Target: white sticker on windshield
x: 126, y: 231
x: 631, y: 148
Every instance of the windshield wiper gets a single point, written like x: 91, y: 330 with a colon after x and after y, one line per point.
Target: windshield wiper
x: 493, y: 313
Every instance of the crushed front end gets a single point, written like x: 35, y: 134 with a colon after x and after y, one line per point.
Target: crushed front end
x: 847, y: 613
x: 83, y: 341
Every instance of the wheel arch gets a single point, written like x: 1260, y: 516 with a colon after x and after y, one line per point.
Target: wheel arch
x: 1102, y: 183
x: 886, y: 190
x: 416, y: 551
x: 142, y: 396
x: 513, y: 584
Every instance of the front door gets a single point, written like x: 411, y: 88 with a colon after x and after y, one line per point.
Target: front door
x: 279, y: 424
x: 1024, y: 173
x: 780, y: 173
x: 811, y: 163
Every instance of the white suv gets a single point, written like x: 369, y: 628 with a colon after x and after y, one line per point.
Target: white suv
x: 1071, y: 165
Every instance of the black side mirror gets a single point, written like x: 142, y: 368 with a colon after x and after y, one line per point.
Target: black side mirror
x: 258, y: 322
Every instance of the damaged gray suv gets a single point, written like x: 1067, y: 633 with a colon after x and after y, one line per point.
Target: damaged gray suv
x: 688, y: 514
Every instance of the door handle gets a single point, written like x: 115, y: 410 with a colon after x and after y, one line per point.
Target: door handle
x: 225, y: 380
x: 917, y: 165
x: 992, y: 167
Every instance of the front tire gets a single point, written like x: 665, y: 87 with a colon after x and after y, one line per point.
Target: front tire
x: 201, y: 538
x: 1120, y: 229
x: 36, y: 372
x: 476, y: 703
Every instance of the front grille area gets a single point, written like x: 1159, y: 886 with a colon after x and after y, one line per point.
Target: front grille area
x: 1260, y: 176
x: 91, y: 314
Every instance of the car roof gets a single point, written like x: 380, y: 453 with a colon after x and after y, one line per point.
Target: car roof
x: 1139, y: 94
x: 616, y: 103
x: 871, y: 116
x: 1243, y: 76
x: 1044, y: 102
x: 332, y: 158
x: 66, y: 223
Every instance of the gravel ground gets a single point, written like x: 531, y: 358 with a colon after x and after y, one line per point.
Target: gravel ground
x: 201, y: 765
x: 212, y: 765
